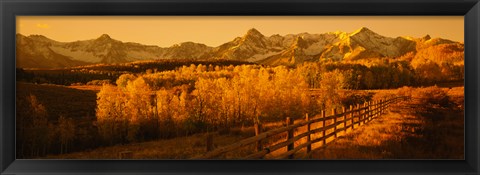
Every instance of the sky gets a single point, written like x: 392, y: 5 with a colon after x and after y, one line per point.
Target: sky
x: 165, y: 31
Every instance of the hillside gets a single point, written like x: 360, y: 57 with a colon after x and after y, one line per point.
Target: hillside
x: 37, y: 51
x: 402, y: 133
x: 99, y: 73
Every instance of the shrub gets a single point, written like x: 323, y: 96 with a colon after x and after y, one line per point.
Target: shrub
x: 98, y: 82
x: 405, y: 91
x: 352, y: 99
x: 432, y: 97
x: 383, y: 95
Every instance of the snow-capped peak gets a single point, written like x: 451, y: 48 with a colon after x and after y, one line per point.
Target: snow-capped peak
x: 363, y: 31
x: 426, y: 37
x: 104, y: 37
x: 254, y: 33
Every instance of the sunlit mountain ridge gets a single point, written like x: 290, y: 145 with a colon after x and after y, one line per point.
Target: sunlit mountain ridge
x: 37, y: 51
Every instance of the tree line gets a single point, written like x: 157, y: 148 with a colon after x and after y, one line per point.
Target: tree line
x: 188, y: 99
x: 199, y: 98
x: 36, y: 134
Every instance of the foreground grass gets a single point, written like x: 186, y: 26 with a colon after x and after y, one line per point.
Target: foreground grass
x: 176, y: 148
x: 409, y: 131
x: 78, y: 102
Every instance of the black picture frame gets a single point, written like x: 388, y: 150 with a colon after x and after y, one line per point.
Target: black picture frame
x: 9, y: 9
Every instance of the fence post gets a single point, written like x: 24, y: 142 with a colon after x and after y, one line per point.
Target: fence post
x: 125, y: 155
x: 387, y: 103
x: 387, y: 106
x: 365, y: 110
x: 351, y: 117
x: 323, y: 126
x: 381, y: 106
x: 290, y: 136
x: 362, y: 113
x: 258, y: 130
x: 369, y: 111
x: 334, y: 113
x: 309, y: 146
x: 209, y: 142
x: 373, y: 110
x: 359, y: 114
x: 344, y: 120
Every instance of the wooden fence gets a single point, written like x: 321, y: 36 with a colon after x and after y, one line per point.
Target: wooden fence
x: 342, y: 121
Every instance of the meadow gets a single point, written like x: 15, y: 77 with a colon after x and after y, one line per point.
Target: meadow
x: 168, y: 113
x: 403, y: 133
x: 409, y: 131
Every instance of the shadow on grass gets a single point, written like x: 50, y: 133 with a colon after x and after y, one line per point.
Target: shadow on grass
x: 409, y: 131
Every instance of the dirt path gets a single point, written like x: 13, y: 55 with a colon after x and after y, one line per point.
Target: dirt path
x: 399, y: 134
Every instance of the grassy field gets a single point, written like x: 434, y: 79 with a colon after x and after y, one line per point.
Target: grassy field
x: 72, y: 102
x: 177, y: 148
x: 78, y: 102
x: 407, y: 132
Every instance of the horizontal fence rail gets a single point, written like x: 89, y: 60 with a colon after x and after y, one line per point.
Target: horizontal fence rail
x: 346, y: 119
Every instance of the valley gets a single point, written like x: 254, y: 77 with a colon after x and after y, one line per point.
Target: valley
x: 92, y: 99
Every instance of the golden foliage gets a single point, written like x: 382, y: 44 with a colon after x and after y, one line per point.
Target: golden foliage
x: 198, y: 98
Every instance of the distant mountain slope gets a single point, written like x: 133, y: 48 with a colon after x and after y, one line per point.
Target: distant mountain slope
x: 365, y: 43
x: 36, y: 51
x: 40, y: 52
x: 360, y: 44
x: 251, y: 47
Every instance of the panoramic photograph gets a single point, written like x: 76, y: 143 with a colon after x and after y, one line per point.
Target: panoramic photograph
x: 240, y: 87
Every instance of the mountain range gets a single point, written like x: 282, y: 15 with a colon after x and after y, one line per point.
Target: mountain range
x: 37, y: 51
